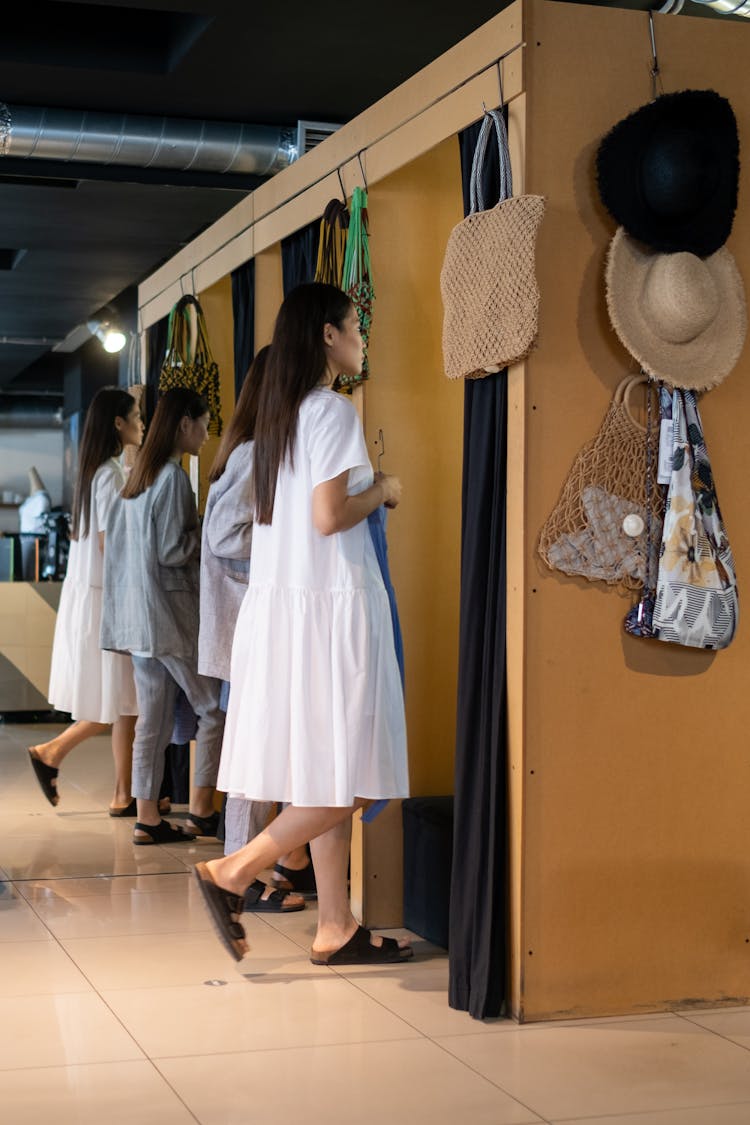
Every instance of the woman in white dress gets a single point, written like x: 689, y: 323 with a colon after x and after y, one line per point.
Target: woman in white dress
x: 316, y: 715
x: 93, y: 686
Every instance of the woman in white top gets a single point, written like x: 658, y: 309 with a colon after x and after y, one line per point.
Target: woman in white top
x: 316, y: 715
x: 93, y: 686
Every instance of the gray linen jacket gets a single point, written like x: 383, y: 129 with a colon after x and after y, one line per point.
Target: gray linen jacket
x: 225, y: 560
x: 151, y: 566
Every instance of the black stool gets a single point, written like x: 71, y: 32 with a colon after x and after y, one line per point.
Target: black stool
x: 428, y: 848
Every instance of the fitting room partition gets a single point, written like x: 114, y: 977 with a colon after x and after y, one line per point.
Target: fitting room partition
x: 628, y: 773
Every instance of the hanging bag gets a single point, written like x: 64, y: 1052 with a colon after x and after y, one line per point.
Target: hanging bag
x: 696, y: 587
x: 599, y: 527
x: 188, y: 361
x: 488, y: 280
x: 332, y: 243
x: 356, y: 280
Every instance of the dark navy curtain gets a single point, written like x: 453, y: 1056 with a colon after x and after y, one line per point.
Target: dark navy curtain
x: 299, y: 256
x: 477, y: 928
x: 156, y: 349
x: 243, y: 310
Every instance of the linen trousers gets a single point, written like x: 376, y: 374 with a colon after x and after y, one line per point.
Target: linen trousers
x: 157, y: 680
x: 243, y: 820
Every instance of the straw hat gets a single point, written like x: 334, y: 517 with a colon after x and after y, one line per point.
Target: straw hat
x: 669, y: 172
x: 682, y: 317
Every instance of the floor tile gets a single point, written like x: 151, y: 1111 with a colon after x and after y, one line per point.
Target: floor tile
x: 264, y: 1013
x: 122, y: 1093
x: 18, y: 922
x: 166, y: 960
x: 68, y: 916
x: 357, y: 1084
x: 37, y: 1031
x: 418, y: 993
x: 609, y: 1068
x: 37, y: 968
x: 35, y: 890
x: 738, y: 1114
x: 731, y: 1023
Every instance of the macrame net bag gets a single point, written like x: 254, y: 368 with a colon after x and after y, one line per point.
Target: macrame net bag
x: 606, y: 526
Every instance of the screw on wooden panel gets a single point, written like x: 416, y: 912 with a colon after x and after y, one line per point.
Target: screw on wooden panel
x: 214, y: 983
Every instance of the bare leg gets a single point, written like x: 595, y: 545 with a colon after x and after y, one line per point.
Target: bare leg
x: 54, y: 752
x: 329, y: 831
x: 202, y: 800
x: 123, y: 731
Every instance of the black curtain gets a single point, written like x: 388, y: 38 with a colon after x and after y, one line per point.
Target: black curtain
x: 243, y: 309
x: 156, y: 349
x: 299, y: 256
x: 477, y: 927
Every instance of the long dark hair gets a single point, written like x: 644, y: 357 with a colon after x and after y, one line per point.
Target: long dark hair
x: 99, y: 442
x: 295, y: 366
x: 242, y: 424
x: 174, y: 405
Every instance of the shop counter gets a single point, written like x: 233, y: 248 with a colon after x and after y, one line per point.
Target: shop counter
x: 27, y: 626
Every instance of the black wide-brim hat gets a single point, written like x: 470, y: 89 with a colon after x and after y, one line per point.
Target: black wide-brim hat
x: 669, y: 172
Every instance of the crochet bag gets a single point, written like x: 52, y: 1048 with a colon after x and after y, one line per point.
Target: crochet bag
x: 488, y: 282
x: 188, y: 361
x: 696, y: 587
x: 599, y: 527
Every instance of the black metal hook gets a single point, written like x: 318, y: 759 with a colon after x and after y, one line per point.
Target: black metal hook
x: 341, y: 181
x: 361, y: 168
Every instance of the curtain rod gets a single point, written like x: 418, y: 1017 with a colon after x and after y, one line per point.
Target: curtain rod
x: 337, y: 169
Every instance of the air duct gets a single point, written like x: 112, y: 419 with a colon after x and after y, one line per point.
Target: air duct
x: 136, y: 141
x: 30, y: 412
x: 727, y: 7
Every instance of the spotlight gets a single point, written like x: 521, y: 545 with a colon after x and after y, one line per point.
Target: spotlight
x: 106, y: 329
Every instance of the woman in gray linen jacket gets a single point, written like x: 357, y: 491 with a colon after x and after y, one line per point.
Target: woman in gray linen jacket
x: 150, y: 609
x: 225, y: 563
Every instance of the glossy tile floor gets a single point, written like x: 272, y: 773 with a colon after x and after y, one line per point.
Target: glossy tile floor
x: 118, y: 1005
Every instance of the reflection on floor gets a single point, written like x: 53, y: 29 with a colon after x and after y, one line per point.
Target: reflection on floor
x: 118, y: 1005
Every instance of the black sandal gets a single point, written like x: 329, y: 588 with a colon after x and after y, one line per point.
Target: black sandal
x: 301, y: 880
x: 124, y: 810
x: 162, y: 833
x: 223, y: 909
x: 275, y: 903
x: 359, y: 950
x: 204, y: 825
x: 47, y: 778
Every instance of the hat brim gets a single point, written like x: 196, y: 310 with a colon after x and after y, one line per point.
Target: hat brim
x: 698, y: 364
x: 618, y: 171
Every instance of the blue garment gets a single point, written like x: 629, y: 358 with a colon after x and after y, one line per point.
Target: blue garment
x: 376, y: 522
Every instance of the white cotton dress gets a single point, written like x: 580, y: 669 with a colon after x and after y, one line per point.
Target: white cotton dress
x: 87, y: 682
x: 316, y: 709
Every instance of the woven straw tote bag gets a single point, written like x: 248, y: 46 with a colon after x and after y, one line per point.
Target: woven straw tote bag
x: 488, y: 281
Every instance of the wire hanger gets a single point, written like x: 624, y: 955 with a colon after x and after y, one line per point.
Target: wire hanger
x: 381, y: 443
x: 361, y: 168
x: 654, y: 71
x: 343, y: 189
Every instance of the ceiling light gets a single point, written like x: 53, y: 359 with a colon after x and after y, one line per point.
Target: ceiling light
x: 108, y: 332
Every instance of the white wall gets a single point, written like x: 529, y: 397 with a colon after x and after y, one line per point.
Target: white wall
x: 19, y: 450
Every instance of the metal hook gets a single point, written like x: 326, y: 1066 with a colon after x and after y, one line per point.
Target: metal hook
x: 192, y: 280
x: 654, y: 72
x: 381, y: 443
x: 361, y: 168
x: 500, y: 83
x: 341, y: 181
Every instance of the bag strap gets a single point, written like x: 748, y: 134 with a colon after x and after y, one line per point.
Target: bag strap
x: 476, y: 192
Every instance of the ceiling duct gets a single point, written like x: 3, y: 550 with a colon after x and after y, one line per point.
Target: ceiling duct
x: 727, y: 7
x: 31, y: 412
x: 174, y: 143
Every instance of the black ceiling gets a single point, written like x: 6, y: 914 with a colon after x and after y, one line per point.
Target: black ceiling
x: 86, y: 232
